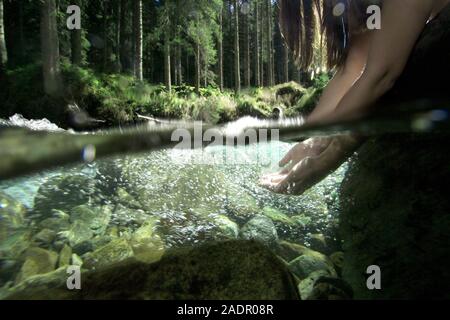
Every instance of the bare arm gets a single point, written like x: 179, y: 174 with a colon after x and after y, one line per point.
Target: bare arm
x: 344, y: 78
x: 402, y: 24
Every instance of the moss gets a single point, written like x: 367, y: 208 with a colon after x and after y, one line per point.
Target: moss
x: 232, y: 270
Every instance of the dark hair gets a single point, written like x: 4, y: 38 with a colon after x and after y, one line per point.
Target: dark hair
x: 299, y: 20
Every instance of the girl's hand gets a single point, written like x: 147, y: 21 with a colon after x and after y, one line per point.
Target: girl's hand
x: 310, y: 162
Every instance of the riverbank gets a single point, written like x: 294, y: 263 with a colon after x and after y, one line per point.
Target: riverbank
x: 116, y: 99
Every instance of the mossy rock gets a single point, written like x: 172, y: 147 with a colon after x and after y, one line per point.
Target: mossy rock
x: 37, y: 261
x: 310, y: 262
x: 97, y: 218
x: 283, y: 223
x: 116, y: 251
x: 262, y: 229
x: 233, y: 270
x: 290, y: 251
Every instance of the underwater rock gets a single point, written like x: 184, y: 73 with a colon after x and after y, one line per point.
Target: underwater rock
x: 290, y: 251
x: 328, y: 288
x: 395, y: 215
x: 147, y: 244
x: 42, y: 282
x: 191, y: 186
x: 91, y: 244
x: 115, y: 251
x: 318, y: 242
x: 306, y: 286
x: 232, y: 270
x: 63, y: 193
x: 260, y: 228
x: 241, y: 206
x: 59, y: 221
x: 128, y: 217
x: 302, y: 221
x: 337, y: 259
x: 13, y: 247
x: 44, y: 238
x: 12, y: 216
x: 227, y: 228
x: 309, y: 262
x: 37, y: 261
x: 79, y: 232
x: 65, y: 256
x: 97, y: 218
x: 283, y: 223
x: 126, y: 199
x: 8, y: 270
x: 76, y: 260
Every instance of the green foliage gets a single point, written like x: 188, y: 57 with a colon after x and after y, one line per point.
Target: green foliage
x: 119, y: 98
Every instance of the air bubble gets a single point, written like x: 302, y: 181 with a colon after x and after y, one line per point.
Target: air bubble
x: 339, y: 9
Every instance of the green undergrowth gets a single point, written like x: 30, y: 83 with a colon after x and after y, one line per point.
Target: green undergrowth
x: 118, y: 98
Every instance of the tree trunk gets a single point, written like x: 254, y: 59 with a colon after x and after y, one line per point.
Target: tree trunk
x: 269, y: 43
x: 221, y: 50
x: 180, y: 67
x: 167, y: 63
x: 205, y: 74
x: 286, y: 63
x: 247, y: 51
x: 237, y: 67
x: 76, y: 46
x: 50, y: 48
x: 105, y: 34
x: 124, y: 52
x: 117, y: 35
x: 257, y: 46
x: 75, y: 39
x: 262, y: 40
x: 138, y: 39
x: 22, y: 47
x: 3, y: 51
x: 197, y: 68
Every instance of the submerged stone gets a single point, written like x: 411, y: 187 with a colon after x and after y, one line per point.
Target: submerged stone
x: 260, y: 228
x: 227, y: 228
x: 147, y: 244
x: 65, y: 256
x: 79, y: 232
x: 236, y: 270
x: 290, y: 251
x: 37, y: 261
x: 278, y: 217
x: 97, y: 218
x: 115, y: 251
x: 309, y: 262
x: 15, y: 244
x: 44, y: 238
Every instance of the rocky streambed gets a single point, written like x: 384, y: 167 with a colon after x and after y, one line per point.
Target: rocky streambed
x: 139, y: 212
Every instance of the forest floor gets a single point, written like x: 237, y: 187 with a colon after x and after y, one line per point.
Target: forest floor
x: 118, y: 99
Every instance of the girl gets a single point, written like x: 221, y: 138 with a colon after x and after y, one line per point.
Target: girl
x: 368, y: 64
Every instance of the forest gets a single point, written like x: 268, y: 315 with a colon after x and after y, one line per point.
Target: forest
x: 117, y: 60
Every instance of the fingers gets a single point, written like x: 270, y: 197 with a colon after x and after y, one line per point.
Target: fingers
x: 270, y: 181
x: 287, y: 158
x: 294, y: 181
